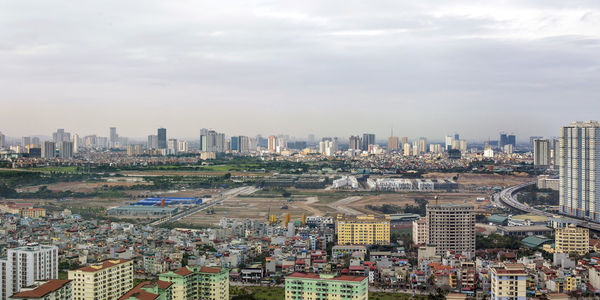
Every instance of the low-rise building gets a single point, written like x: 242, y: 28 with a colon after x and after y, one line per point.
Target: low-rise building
x: 363, y: 230
x: 326, y: 286
x: 509, y: 282
x: 572, y: 239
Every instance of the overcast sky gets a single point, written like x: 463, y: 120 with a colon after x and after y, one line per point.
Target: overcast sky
x: 329, y: 67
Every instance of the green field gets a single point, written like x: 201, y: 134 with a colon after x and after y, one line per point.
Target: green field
x: 55, y: 169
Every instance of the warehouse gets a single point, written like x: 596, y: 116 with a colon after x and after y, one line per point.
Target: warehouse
x: 142, y: 211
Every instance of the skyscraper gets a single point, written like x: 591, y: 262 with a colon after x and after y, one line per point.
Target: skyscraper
x: 66, y: 150
x: 422, y: 145
x: 25, y: 141
x: 541, y: 153
x: 579, y: 170
x: 448, y: 142
x: 172, y: 147
x: 354, y: 143
x: 75, y: 143
x: 162, y: 138
x: 512, y: 140
x: 368, y: 139
x: 272, y: 144
x: 152, y: 141
x: 48, y: 150
x: 2, y: 140
x: 404, y: 140
x: 503, y: 140
x: 393, y: 143
x: 26, y: 265
x: 451, y: 227
x: 114, y: 137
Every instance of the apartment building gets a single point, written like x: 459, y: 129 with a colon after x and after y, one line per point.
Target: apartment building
x: 109, y: 279
x: 363, y: 230
x: 159, y: 290
x: 572, y: 239
x: 420, y: 231
x: 326, y: 286
x: 25, y: 265
x: 194, y: 283
x: 509, y: 282
x: 451, y: 227
x: 52, y: 290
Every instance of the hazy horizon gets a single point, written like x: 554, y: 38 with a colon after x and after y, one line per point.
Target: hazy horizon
x: 335, y: 68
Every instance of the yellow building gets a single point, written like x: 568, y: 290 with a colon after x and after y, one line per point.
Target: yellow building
x: 509, y: 282
x: 572, y: 239
x: 107, y: 280
x: 33, y: 212
x: 363, y: 230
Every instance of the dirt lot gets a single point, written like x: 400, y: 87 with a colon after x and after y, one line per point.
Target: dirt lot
x: 401, y: 199
x: 478, y: 180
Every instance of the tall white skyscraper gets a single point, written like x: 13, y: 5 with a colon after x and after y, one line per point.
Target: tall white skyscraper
x: 579, y: 170
x: 75, y: 143
x: 448, y: 141
x: 25, y: 265
x: 541, y: 153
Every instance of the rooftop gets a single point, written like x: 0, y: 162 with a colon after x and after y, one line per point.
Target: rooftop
x: 42, y: 290
x: 321, y: 277
x: 103, y: 265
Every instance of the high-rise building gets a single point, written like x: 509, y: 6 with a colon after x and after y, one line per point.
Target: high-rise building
x: 75, y: 143
x: 2, y: 140
x: 422, y: 145
x: 198, y: 283
x: 133, y: 150
x: 25, y: 141
x: 162, y: 138
x: 109, y: 279
x: 503, y: 140
x: 328, y: 146
x: 404, y: 140
x: 368, y: 139
x: 36, y: 141
x: 456, y: 136
x: 420, y: 231
x: 66, y: 150
x: 579, y: 190
x: 326, y: 286
x: 152, y: 141
x: 508, y: 282
x: 512, y: 140
x: 59, y: 136
x: 26, y: 265
x: 541, y: 153
x: 572, y: 239
x: 354, y: 142
x: 272, y: 144
x: 532, y: 140
x: 451, y: 227
x: 48, y: 150
x: 406, y: 149
x: 183, y: 146
x: 114, y: 137
x: 172, y: 147
x: 102, y: 142
x: 211, y: 141
x: 448, y: 142
x: 393, y: 143
x: 363, y: 230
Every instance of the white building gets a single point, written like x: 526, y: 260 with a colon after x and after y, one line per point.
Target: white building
x: 345, y: 182
x: 172, y: 147
x: 541, y: 153
x: 182, y: 146
x: 26, y: 265
x: 579, y: 172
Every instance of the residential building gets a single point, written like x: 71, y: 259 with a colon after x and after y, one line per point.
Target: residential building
x: 541, y: 153
x: 363, y: 230
x: 113, y: 137
x: 2, y: 140
x: 579, y: 171
x: 159, y: 290
x: 368, y: 139
x: 109, y: 279
x: 509, y: 282
x: 326, y: 286
x: 272, y: 146
x: 420, y: 231
x: 28, y: 264
x: 48, y: 150
x: 162, y: 138
x: 194, y: 283
x: 393, y: 143
x: 172, y: 147
x: 572, y: 239
x: 354, y: 143
x: 152, y: 141
x: 66, y: 150
x: 54, y: 289
x: 451, y: 227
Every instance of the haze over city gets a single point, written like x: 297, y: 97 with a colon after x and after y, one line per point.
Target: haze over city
x: 335, y: 68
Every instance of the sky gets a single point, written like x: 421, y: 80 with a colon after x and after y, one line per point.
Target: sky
x: 332, y: 68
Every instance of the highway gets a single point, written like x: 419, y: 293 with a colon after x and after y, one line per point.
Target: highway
x: 507, y: 197
x: 216, y: 199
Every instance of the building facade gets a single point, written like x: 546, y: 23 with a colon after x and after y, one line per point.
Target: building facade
x: 363, y: 230
x: 572, y: 239
x: 51, y: 290
x: 508, y: 282
x: 420, y: 231
x: 579, y: 170
x: 451, y: 227
x: 109, y: 279
x: 26, y: 265
x: 325, y: 286
x: 541, y: 153
x: 195, y: 283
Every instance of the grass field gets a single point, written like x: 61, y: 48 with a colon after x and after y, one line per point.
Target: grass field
x: 56, y: 169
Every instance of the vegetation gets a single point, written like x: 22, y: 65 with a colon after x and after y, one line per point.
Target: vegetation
x: 534, y: 196
x: 495, y: 240
x: 175, y: 225
x: 419, y: 209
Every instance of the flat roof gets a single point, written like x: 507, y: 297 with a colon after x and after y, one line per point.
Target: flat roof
x: 525, y: 228
x: 318, y: 277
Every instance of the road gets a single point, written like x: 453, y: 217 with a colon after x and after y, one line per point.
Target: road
x: 342, y: 208
x: 507, y: 197
x: 216, y: 199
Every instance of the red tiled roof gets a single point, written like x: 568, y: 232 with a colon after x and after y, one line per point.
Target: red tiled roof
x: 316, y: 276
x: 43, y: 289
x: 104, y: 265
x: 138, y: 293
x: 210, y: 270
x: 163, y: 285
x: 183, y: 271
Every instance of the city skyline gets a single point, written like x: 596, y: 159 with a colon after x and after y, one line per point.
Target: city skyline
x: 300, y: 67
